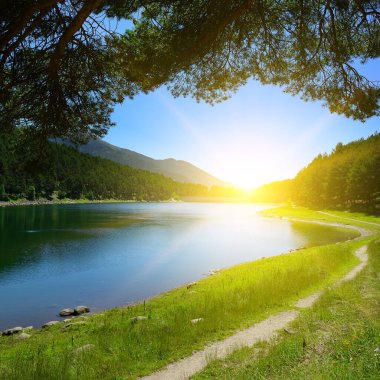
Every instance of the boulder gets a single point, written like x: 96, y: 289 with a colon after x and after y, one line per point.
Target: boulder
x: 50, y: 323
x: 65, y: 327
x: 66, y: 312
x: 196, y: 320
x: 28, y: 328
x: 13, y: 330
x: 138, y: 318
x: 23, y: 336
x: 191, y: 285
x: 81, y: 310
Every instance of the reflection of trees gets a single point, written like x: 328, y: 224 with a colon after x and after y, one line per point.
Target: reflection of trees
x: 314, y: 234
x: 24, y: 230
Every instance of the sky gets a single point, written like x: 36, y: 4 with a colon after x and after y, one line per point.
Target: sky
x: 258, y: 136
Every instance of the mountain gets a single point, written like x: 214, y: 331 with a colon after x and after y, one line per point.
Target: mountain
x: 178, y: 170
x: 61, y: 171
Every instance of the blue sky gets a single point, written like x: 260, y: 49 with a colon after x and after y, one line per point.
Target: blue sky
x: 259, y: 135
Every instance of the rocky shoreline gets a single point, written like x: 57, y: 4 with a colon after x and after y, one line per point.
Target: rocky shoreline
x: 68, y: 312
x: 28, y: 203
x: 72, y: 201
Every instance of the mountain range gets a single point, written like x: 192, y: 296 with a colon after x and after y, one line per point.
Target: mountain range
x: 181, y: 171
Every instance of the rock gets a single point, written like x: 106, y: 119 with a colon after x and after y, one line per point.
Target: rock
x: 81, y: 310
x: 138, y: 318
x: 66, y: 312
x: 196, y: 320
x: 67, y: 319
x: 85, y: 348
x: 23, y: 336
x: 289, y: 331
x: 28, y: 328
x: 72, y: 324
x: 12, y: 331
x: 50, y: 323
x: 191, y: 285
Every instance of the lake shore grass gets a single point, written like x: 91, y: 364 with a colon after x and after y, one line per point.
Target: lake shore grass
x: 338, y: 338
x: 123, y: 347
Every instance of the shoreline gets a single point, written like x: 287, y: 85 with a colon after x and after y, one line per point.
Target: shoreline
x: 196, y: 316
x: 362, y: 234
x: 45, y: 202
x: 186, y: 199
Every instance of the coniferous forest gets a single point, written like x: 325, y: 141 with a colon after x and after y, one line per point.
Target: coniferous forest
x: 35, y: 169
x: 348, y: 179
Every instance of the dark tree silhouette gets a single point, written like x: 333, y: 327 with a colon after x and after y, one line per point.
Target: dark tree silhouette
x: 63, y: 67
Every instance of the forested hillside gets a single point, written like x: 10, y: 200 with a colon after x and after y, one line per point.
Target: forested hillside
x: 34, y: 169
x: 178, y: 170
x: 277, y: 192
x: 347, y: 178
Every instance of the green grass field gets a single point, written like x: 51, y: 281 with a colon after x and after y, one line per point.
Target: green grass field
x: 124, y: 348
x: 344, y: 217
x: 339, y: 338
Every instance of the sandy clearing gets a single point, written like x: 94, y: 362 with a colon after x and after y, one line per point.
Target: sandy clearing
x: 261, y: 331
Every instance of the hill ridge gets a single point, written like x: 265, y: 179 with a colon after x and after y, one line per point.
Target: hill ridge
x: 179, y: 170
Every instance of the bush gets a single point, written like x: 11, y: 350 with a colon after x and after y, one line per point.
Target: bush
x: 3, y: 195
x: 31, y: 193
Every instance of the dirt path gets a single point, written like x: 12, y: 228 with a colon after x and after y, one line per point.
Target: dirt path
x: 345, y: 218
x: 262, y: 331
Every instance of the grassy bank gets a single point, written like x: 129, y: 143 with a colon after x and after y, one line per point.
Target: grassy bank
x: 344, y: 217
x: 338, y: 338
x: 123, y: 348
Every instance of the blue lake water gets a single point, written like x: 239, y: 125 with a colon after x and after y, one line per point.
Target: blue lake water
x: 105, y: 255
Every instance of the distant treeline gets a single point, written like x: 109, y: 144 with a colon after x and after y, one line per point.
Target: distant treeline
x: 276, y: 192
x: 348, y: 179
x: 33, y: 169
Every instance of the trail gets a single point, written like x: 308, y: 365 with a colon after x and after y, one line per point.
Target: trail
x: 263, y: 331
x: 355, y: 220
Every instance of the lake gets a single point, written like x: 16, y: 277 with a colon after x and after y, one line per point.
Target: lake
x: 106, y: 255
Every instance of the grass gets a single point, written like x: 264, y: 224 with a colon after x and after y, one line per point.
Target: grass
x: 355, y: 219
x: 124, y: 348
x: 339, y: 338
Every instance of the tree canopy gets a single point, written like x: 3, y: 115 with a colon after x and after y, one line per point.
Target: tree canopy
x: 63, y: 65
x: 347, y: 179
